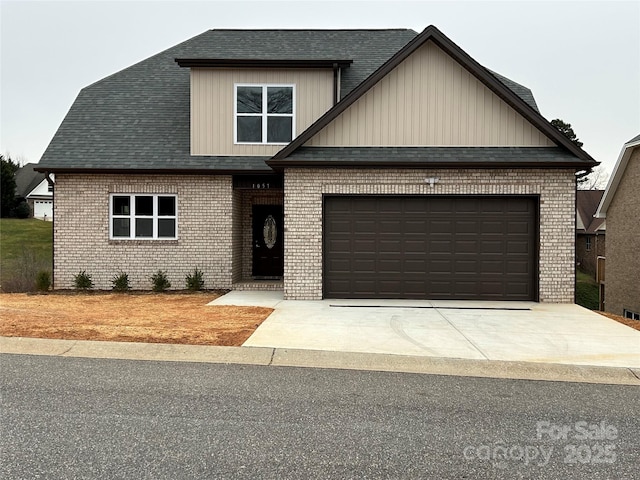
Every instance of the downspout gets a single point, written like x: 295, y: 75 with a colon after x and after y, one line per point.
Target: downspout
x: 53, y: 225
x: 336, y: 83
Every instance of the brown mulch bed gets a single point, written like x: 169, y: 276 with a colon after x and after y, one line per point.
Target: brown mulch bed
x: 129, y: 317
x: 618, y: 318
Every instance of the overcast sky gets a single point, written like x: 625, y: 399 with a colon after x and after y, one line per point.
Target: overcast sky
x: 581, y: 59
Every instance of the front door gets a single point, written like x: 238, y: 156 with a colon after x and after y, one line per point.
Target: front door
x: 268, y: 246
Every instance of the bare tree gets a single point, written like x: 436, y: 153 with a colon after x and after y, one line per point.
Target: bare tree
x: 596, y: 180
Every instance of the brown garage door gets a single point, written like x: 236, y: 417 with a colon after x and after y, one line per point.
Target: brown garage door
x: 430, y: 247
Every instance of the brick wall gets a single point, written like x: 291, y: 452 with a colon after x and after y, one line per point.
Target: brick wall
x: 303, y: 215
x: 622, y: 287
x: 586, y: 259
x: 81, y: 231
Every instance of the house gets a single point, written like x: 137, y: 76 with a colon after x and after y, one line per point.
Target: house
x: 590, y: 231
x: 33, y: 187
x: 620, y: 207
x: 327, y: 163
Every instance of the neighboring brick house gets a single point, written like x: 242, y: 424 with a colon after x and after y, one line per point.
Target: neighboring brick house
x: 620, y: 207
x: 329, y: 163
x: 590, y: 231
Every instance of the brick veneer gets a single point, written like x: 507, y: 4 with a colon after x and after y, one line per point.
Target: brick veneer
x: 622, y: 288
x: 205, y: 240
x: 304, y: 189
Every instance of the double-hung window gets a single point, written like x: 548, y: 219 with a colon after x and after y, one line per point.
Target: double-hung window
x: 264, y: 114
x: 151, y: 217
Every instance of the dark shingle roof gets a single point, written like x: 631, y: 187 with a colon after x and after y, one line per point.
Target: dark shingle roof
x: 429, y: 156
x: 27, y: 179
x: 138, y: 118
x: 587, y: 202
x: 523, y: 92
x: 634, y: 139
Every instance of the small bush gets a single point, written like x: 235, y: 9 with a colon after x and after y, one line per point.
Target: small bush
x: 22, y: 210
x: 195, y: 280
x: 21, y: 273
x: 159, y: 281
x: 121, y: 282
x: 82, y: 281
x: 43, y: 280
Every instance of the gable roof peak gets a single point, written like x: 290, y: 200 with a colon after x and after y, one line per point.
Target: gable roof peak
x: 485, y: 76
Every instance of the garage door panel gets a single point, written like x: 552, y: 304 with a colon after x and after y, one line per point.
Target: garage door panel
x: 517, y: 247
x: 440, y: 226
x: 364, y: 245
x: 518, y: 227
x: 434, y: 247
x: 388, y: 265
x: 440, y: 246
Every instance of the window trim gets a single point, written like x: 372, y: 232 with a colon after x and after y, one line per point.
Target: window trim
x: 264, y: 115
x: 132, y: 217
x: 630, y: 315
x: 588, y: 243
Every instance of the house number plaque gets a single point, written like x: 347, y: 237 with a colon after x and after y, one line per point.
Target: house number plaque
x: 270, y: 232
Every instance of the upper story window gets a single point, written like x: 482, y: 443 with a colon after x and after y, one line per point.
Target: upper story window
x: 140, y: 217
x: 264, y: 114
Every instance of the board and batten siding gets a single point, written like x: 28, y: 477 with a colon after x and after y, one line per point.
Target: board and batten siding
x: 212, y: 109
x: 430, y: 100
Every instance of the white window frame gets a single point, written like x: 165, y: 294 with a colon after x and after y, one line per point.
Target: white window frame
x: 588, y: 243
x: 631, y: 315
x: 132, y: 215
x: 264, y: 114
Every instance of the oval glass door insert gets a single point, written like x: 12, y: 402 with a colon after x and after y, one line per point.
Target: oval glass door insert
x: 270, y: 231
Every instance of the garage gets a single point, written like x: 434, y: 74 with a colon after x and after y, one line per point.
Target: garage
x: 430, y: 247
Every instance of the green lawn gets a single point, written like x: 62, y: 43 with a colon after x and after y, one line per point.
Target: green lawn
x: 26, y: 246
x: 586, y: 291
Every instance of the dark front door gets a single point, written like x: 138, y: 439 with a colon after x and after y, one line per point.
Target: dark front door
x: 268, y: 251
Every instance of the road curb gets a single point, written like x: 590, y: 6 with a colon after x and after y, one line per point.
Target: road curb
x: 281, y: 357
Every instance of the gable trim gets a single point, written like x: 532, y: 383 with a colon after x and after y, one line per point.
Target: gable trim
x: 614, y: 180
x: 431, y: 33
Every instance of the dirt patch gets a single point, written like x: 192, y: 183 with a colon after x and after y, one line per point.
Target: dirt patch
x: 151, y: 318
x: 635, y: 324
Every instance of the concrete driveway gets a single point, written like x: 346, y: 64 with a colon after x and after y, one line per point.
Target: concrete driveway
x: 507, y: 331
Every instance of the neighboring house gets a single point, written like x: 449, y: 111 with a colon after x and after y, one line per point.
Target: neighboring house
x: 33, y: 187
x: 620, y: 206
x: 590, y: 231
x: 329, y: 163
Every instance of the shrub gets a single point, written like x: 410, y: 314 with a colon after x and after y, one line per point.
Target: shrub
x: 43, y: 280
x: 21, y: 273
x: 121, y: 282
x: 82, y: 281
x: 195, y: 280
x: 22, y: 210
x: 159, y: 281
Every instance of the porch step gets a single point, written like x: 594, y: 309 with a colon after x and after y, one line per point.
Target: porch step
x: 258, y: 285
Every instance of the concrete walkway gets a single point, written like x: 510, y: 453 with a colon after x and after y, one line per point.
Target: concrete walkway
x: 501, y: 331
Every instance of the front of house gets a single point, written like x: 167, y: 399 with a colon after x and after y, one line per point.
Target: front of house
x: 330, y: 163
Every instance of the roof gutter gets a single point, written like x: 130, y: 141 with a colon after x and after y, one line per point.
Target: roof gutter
x: 261, y: 63
x: 279, y: 165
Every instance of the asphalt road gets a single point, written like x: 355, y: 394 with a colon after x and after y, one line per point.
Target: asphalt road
x: 93, y: 418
